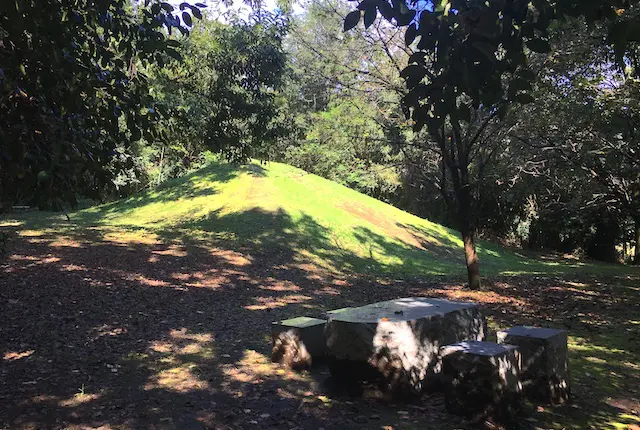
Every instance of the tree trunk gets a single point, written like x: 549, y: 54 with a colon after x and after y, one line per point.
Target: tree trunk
x: 636, y: 258
x: 471, y: 257
x: 466, y: 217
x: 468, y: 232
x: 455, y: 157
x: 625, y: 249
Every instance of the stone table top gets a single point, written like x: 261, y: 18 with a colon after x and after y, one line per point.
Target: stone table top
x: 404, y: 309
x: 300, y: 322
x: 537, y: 332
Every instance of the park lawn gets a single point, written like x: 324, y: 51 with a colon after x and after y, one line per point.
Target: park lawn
x: 175, y: 288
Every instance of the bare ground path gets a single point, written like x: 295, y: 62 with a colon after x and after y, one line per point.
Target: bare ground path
x: 99, y: 330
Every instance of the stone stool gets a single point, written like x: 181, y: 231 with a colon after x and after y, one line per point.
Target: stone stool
x: 545, y: 367
x: 482, y: 380
x: 296, y: 341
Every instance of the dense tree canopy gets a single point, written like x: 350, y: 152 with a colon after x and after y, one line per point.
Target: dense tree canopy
x: 582, y: 130
x: 225, y: 95
x: 74, y: 90
x: 103, y: 98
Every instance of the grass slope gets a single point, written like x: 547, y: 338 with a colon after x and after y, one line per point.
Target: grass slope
x: 285, y: 209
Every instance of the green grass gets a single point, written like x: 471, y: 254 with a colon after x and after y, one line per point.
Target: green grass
x: 279, y: 207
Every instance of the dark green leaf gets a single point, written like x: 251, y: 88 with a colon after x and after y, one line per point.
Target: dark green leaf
x: 527, y: 74
x: 413, y: 74
x: 175, y: 54
x: 464, y: 112
x: 366, y: 4
x: 419, y: 117
x: 351, y: 20
x: 187, y: 19
x: 369, y: 16
x: 502, y: 110
x: 386, y: 10
x: 405, y: 18
x: 525, y: 98
x: 135, y: 133
x: 411, y: 69
x: 518, y: 84
x: 410, y: 34
x: 487, y: 49
x: 417, y: 57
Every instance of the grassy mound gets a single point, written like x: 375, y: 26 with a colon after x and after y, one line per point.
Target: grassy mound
x: 281, y: 209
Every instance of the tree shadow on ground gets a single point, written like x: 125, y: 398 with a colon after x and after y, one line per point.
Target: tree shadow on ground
x: 139, y: 331
x: 306, y: 241
x: 104, y: 326
x: 407, y: 259
x: 440, y: 241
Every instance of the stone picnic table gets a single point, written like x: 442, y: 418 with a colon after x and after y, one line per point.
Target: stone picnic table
x: 399, y: 339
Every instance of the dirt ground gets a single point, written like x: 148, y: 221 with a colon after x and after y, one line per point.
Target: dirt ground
x: 105, y: 332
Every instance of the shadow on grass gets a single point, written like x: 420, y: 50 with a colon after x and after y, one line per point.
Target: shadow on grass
x: 444, y: 246
x: 201, y: 183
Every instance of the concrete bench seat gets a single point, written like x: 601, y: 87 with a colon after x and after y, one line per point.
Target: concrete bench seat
x: 298, y: 341
x: 482, y: 380
x: 545, y: 367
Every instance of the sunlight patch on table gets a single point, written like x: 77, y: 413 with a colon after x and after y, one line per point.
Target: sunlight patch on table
x: 264, y: 303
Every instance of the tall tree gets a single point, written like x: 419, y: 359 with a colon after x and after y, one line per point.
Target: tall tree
x: 226, y: 96
x: 346, y: 91
x: 472, y: 55
x: 73, y: 89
